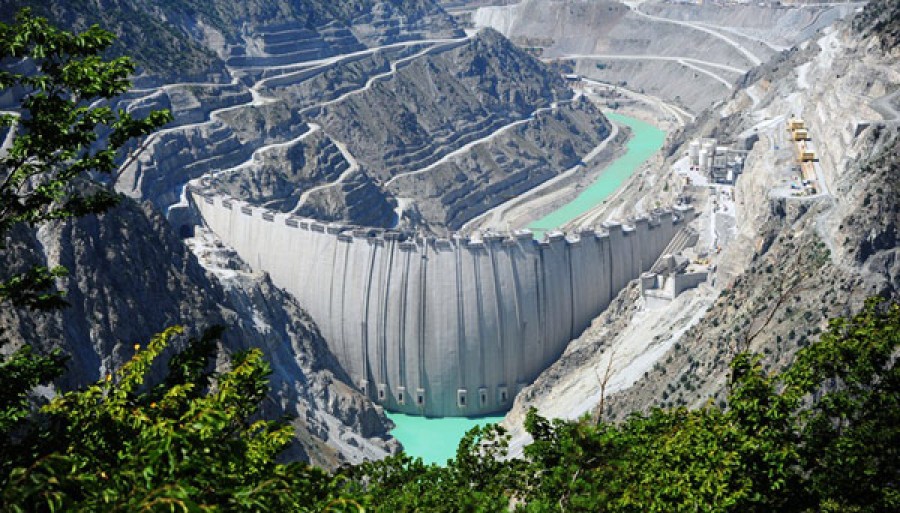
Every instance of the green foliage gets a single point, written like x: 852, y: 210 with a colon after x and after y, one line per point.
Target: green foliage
x: 34, y: 289
x: 58, y: 124
x: 55, y: 144
x: 56, y: 136
x: 773, y: 448
x: 850, y: 437
x: 158, y: 45
x: 20, y: 372
x: 478, y: 479
x: 180, y: 447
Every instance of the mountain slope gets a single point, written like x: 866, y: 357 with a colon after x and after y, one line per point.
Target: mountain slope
x: 176, y: 39
x: 405, y: 135
x: 130, y: 277
x: 785, y: 260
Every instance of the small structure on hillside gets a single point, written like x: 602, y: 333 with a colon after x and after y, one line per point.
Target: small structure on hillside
x: 722, y: 164
x: 673, y: 274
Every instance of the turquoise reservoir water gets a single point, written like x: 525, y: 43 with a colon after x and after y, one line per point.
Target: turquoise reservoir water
x: 645, y: 141
x: 435, y: 440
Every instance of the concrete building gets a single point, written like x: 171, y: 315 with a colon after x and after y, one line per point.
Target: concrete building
x: 442, y: 327
x: 722, y: 164
x: 672, y: 275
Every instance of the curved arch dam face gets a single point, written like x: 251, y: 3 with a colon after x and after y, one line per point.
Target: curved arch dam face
x: 443, y: 327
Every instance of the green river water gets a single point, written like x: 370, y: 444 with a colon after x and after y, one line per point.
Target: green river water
x: 646, y: 140
x: 435, y: 439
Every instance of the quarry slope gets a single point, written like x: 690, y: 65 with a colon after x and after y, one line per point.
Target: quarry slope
x: 686, y: 54
x: 421, y: 134
x: 175, y: 40
x: 783, y: 261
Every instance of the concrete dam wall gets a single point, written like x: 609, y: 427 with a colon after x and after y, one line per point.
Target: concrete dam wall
x: 442, y: 327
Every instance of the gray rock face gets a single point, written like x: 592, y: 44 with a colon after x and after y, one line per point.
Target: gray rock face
x: 131, y: 277
x: 440, y: 102
x: 454, y: 192
x: 390, y: 125
x: 685, y: 54
x: 279, y: 177
x: 194, y: 39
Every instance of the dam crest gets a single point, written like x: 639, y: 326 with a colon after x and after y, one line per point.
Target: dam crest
x: 443, y: 326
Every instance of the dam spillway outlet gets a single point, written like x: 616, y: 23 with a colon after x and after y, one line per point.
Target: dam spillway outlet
x: 457, y: 320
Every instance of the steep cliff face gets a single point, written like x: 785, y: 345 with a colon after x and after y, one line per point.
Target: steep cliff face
x: 871, y: 230
x: 880, y: 19
x: 461, y: 92
x: 130, y: 277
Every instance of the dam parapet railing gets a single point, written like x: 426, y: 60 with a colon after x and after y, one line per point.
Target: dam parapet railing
x: 448, y: 326
x: 412, y: 240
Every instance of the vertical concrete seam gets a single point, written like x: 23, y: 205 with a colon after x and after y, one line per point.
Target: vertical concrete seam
x: 460, y: 320
x: 404, y: 282
x: 500, y: 317
x: 423, y: 297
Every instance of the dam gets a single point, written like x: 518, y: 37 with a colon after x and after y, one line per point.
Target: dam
x: 442, y: 326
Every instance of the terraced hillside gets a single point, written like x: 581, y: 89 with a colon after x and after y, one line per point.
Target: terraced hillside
x: 688, y: 54
x: 448, y: 129
x: 174, y: 40
x: 414, y: 132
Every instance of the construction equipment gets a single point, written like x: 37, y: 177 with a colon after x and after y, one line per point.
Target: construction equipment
x: 800, y: 135
x: 796, y: 124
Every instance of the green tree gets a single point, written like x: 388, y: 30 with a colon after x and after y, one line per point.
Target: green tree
x: 193, y: 442
x: 850, y: 436
x: 821, y: 436
x: 58, y: 140
x: 479, y: 478
x: 180, y: 446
